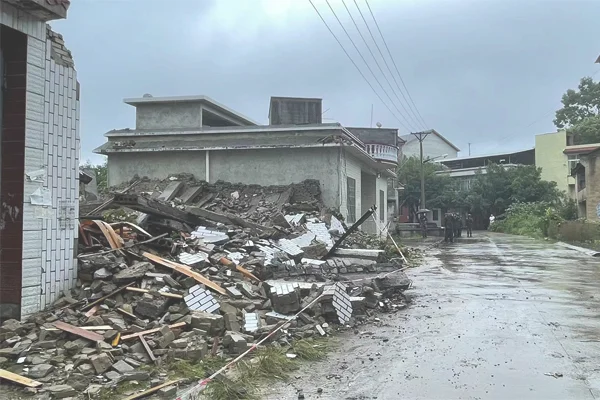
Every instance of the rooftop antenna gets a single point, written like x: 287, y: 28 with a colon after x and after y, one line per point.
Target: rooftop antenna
x: 371, y: 125
x: 378, y: 124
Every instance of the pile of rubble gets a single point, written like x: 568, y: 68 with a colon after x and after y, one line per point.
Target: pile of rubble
x: 196, y: 278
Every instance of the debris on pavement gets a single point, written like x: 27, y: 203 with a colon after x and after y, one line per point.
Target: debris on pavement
x: 209, y: 272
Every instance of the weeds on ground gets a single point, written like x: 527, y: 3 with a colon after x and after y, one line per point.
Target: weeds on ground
x: 121, y: 390
x: 310, y: 349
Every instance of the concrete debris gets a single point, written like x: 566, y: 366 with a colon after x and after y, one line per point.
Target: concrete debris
x: 209, y: 272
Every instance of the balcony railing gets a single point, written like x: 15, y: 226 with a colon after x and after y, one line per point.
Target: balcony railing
x: 383, y: 152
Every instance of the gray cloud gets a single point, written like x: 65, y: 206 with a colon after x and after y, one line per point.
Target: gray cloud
x: 481, y: 72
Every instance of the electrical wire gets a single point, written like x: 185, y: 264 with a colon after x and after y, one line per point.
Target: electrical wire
x: 364, y: 60
x: 356, y: 66
x: 387, y: 65
x: 382, y: 73
x: 394, y: 62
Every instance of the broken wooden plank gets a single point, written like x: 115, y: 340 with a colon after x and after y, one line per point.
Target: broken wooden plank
x: 63, y: 326
x: 21, y: 380
x: 227, y: 219
x: 92, y: 311
x: 101, y: 299
x: 127, y: 313
x: 149, y: 331
x: 87, y: 328
x: 148, y: 349
x: 109, y: 233
x: 184, y: 269
x: 171, y: 295
x: 116, y: 340
x: 152, y: 390
x: 156, y: 208
x: 228, y: 263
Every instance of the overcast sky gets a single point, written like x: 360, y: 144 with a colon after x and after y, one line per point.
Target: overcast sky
x: 485, y: 72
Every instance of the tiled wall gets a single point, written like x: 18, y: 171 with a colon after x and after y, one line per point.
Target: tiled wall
x: 51, y: 144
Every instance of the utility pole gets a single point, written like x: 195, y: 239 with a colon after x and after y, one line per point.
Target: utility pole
x: 371, y: 116
x: 469, y: 149
x: 420, y: 137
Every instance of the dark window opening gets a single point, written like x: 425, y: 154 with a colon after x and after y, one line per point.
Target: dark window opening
x: 381, y: 205
x: 435, y: 215
x: 351, y: 199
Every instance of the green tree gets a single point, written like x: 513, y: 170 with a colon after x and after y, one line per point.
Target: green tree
x: 101, y: 171
x: 440, y: 190
x: 500, y: 187
x: 580, y: 113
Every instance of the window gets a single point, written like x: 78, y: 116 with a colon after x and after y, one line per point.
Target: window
x: 435, y: 215
x: 381, y: 205
x: 573, y: 159
x: 351, y: 199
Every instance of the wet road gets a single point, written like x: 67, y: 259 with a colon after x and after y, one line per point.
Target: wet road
x: 491, y: 316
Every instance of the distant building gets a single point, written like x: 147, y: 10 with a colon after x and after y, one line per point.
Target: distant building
x: 587, y: 185
x: 197, y: 135
x: 434, y: 145
x: 465, y: 170
x: 557, y: 158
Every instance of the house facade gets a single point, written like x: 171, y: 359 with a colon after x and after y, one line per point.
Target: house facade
x: 587, y: 185
x: 39, y: 158
x: 558, y: 159
x: 197, y: 135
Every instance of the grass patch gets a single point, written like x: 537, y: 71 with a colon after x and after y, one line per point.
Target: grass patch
x: 310, y: 349
x: 121, y: 389
x: 182, y: 369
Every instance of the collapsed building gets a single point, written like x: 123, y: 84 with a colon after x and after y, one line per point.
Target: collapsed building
x: 197, y: 135
x: 206, y: 272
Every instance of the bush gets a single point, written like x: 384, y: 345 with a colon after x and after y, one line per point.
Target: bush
x: 529, y: 219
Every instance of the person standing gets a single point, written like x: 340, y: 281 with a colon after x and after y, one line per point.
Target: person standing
x: 492, y: 219
x: 469, y: 225
x: 448, y: 228
x: 423, y: 225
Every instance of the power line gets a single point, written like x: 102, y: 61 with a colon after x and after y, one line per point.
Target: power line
x: 381, y: 70
x: 356, y: 66
x: 387, y: 65
x: 366, y: 63
x: 394, y: 62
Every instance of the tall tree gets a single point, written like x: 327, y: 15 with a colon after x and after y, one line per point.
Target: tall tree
x: 440, y: 190
x: 580, y: 113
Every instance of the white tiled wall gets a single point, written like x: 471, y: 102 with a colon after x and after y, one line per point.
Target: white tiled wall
x: 51, y: 143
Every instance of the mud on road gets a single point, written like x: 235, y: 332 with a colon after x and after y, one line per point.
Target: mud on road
x: 492, y: 317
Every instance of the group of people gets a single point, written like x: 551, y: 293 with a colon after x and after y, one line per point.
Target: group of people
x: 453, y: 225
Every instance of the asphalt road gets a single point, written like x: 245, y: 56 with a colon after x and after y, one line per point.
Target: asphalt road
x: 492, y: 317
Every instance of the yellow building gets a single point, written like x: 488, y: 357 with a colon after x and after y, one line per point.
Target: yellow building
x: 557, y: 159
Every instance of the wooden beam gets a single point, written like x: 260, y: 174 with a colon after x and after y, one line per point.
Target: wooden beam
x: 184, y: 269
x: 63, y: 326
x: 152, y: 390
x: 149, y: 331
x: 87, y: 328
x: 171, y: 295
x: 101, y: 299
x: 148, y: 349
x: 21, y: 380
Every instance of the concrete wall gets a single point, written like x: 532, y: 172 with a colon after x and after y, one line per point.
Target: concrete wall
x: 350, y: 167
x: 592, y: 179
x: 368, y: 196
x: 280, y: 167
x: 122, y: 167
x: 433, y: 146
x: 381, y: 185
x: 550, y: 157
x: 51, y: 144
x: 168, y: 116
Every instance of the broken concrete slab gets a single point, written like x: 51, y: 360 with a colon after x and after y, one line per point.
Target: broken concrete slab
x: 133, y: 273
x: 171, y: 191
x: 101, y: 362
